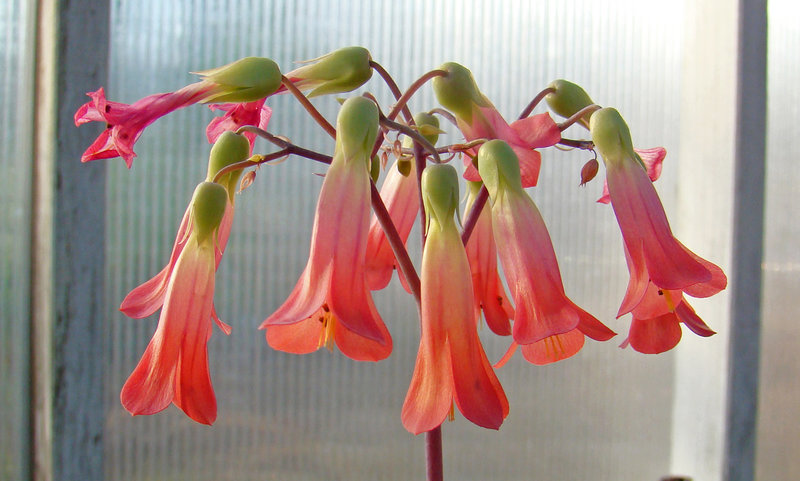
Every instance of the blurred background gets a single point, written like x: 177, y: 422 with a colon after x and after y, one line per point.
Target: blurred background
x: 606, y: 414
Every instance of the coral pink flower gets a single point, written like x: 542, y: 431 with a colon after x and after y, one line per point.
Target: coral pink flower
x: 174, y: 367
x: 451, y: 364
x: 331, y: 301
x: 247, y: 79
x: 656, y: 260
x: 490, y: 295
x: 400, y: 194
x: 542, y: 308
x: 239, y: 115
x: 653, y: 160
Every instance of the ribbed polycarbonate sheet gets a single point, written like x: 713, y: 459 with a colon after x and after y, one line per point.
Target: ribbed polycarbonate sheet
x: 604, y: 414
x: 779, y: 395
x: 15, y: 115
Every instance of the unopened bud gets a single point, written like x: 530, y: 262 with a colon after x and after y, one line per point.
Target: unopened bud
x: 589, y: 171
x: 440, y: 192
x: 428, y: 126
x: 404, y: 165
x: 357, y: 128
x: 498, y: 166
x: 611, y: 135
x: 375, y: 168
x: 244, y: 80
x: 568, y: 100
x: 457, y: 91
x: 208, y: 207
x: 229, y: 148
x: 342, y: 70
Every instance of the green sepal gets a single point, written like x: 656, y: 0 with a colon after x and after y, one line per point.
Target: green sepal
x: 245, y: 80
x: 498, y: 166
x: 357, y: 129
x: 568, y: 100
x: 208, y: 208
x: 229, y: 148
x: 440, y: 194
x: 458, y: 92
x: 342, y: 70
x: 611, y: 136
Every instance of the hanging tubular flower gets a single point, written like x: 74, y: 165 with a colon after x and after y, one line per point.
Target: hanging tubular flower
x: 174, y: 367
x: 400, y: 194
x: 451, y: 364
x: 477, y: 119
x: 147, y: 298
x: 246, y: 80
x: 331, y: 301
x: 542, y: 308
x: 342, y: 70
x: 655, y: 257
x: 490, y: 295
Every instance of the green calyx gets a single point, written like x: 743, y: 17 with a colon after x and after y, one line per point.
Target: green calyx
x: 244, y: 80
x: 428, y: 126
x: 611, y: 136
x: 457, y: 91
x: 342, y: 70
x: 498, y: 166
x: 357, y: 129
x: 568, y: 99
x: 440, y: 194
x: 229, y: 148
x: 208, y: 208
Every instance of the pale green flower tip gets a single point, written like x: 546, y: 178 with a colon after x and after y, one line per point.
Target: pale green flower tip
x: 498, y: 166
x: 568, y: 100
x: 357, y: 128
x: 229, y: 148
x: 457, y: 91
x: 342, y: 70
x: 208, y: 207
x: 611, y: 135
x: 245, y: 80
x: 440, y: 192
x: 428, y: 126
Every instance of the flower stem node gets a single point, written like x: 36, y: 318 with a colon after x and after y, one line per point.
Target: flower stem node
x: 357, y: 128
x: 208, y: 207
x: 245, y: 80
x: 568, y: 99
x: 499, y: 167
x: 611, y: 135
x: 342, y: 70
x: 457, y: 91
x: 229, y: 148
x: 440, y: 193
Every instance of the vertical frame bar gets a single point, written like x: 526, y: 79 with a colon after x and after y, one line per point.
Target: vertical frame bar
x: 67, y: 246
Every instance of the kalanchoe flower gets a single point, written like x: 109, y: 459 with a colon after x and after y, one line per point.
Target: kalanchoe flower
x: 451, y: 364
x: 477, y: 119
x: 568, y: 99
x: 237, y: 116
x: 331, y: 301
x: 490, y: 295
x: 174, y: 367
x: 652, y: 159
x: 147, y: 298
x: 656, y: 260
x: 400, y: 194
x: 342, y: 70
x: 245, y: 80
x: 543, y: 312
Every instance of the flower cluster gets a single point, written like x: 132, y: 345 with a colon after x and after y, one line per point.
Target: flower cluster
x: 360, y: 233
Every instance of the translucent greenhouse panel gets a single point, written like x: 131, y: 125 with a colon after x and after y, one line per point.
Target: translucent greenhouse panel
x: 15, y: 118
x: 604, y: 415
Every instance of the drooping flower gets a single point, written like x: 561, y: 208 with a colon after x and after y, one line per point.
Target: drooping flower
x: 477, y: 119
x: 652, y: 159
x: 245, y: 80
x: 543, y: 312
x: 451, y: 365
x: 174, y: 367
x: 490, y: 295
x: 656, y: 260
x: 400, y: 195
x: 331, y: 302
x: 148, y: 297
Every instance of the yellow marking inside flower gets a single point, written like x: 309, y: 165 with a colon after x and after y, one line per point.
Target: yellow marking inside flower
x: 554, y: 347
x: 670, y: 302
x: 451, y: 416
x: 326, y: 334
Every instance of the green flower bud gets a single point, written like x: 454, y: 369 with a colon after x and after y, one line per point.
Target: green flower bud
x: 499, y: 167
x: 611, y: 135
x: 244, y: 80
x: 457, y: 91
x: 229, y: 148
x: 428, y: 125
x: 208, y: 207
x: 568, y: 100
x: 440, y: 193
x: 375, y: 168
x: 357, y: 129
x: 342, y: 70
